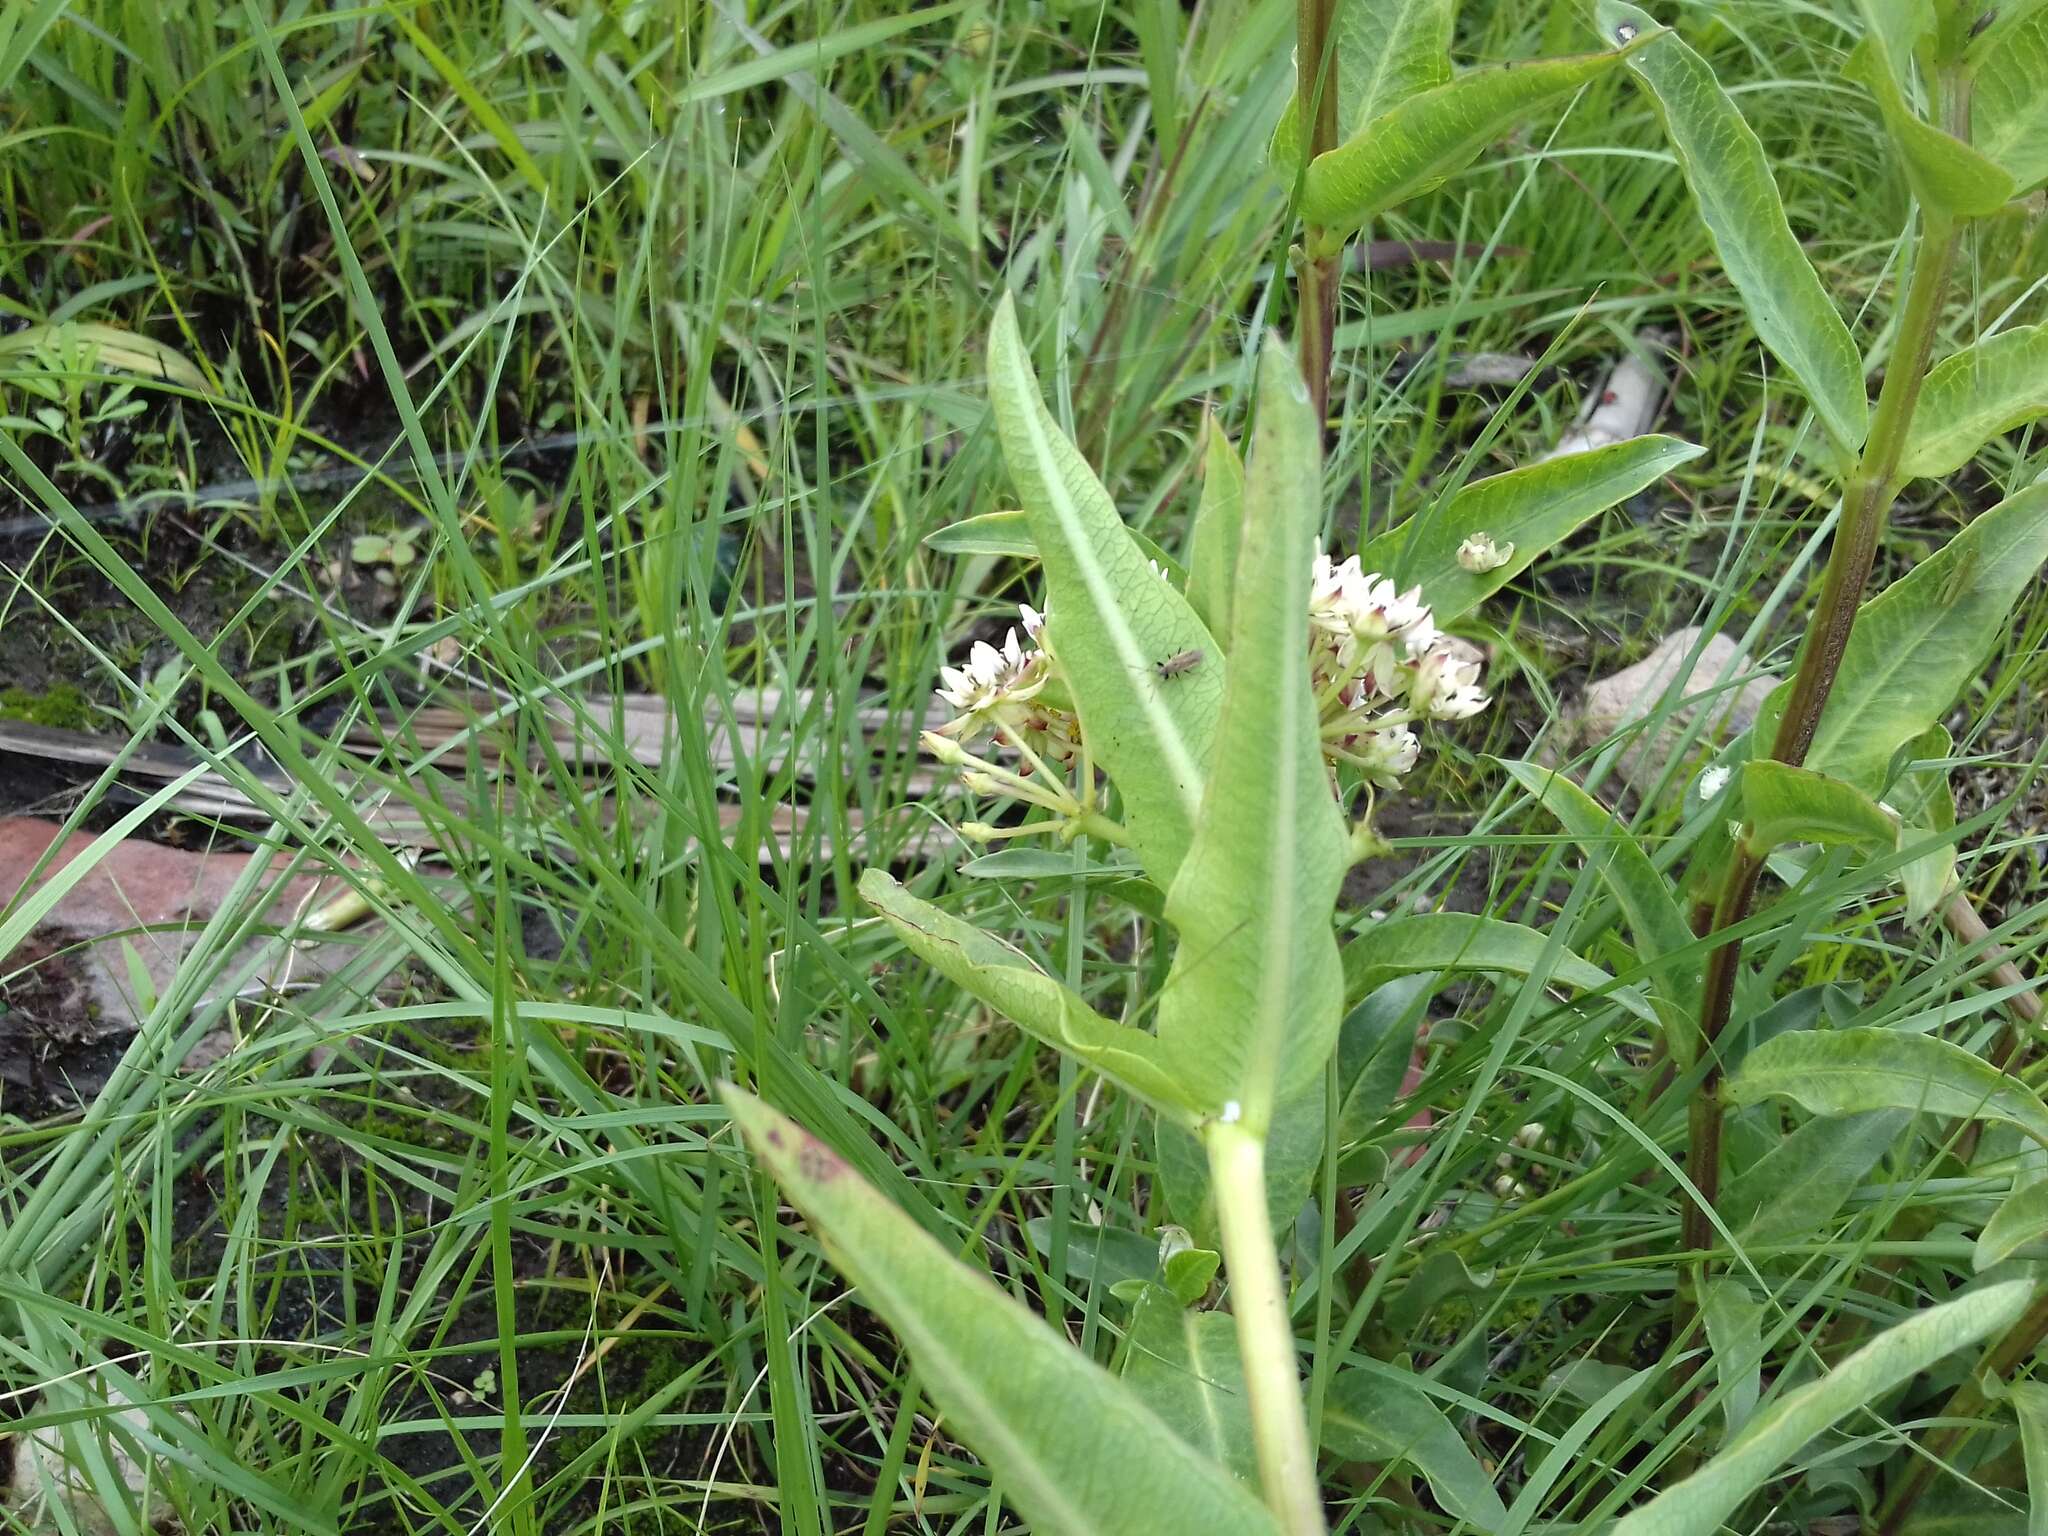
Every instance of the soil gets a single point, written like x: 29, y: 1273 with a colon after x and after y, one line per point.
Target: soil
x: 52, y: 1058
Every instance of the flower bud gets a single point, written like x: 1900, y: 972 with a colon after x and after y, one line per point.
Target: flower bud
x: 1479, y: 554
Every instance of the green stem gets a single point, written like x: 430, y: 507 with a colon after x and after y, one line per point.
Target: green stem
x: 1265, y: 1333
x: 1866, y: 504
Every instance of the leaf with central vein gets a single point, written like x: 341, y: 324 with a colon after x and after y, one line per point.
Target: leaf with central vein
x: 1077, y: 1450
x: 1796, y: 805
x: 2021, y: 1218
x: 1730, y: 177
x: 1943, y: 171
x: 1534, y: 508
x: 1458, y: 941
x: 1372, y: 1417
x: 1184, y: 1364
x: 1921, y: 641
x: 1003, y: 977
x: 1775, y: 1434
x: 1217, y: 534
x: 1251, y: 1006
x: 1415, y: 146
x: 1112, y: 621
x: 1387, y: 51
x: 1968, y: 399
x: 2009, y: 107
x: 1658, y: 926
x: 1848, y: 1071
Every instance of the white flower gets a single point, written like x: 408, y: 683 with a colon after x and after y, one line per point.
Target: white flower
x: 991, y: 676
x: 1383, y: 756
x: 1714, y: 780
x: 1446, y: 686
x: 1034, y: 622
x: 1479, y: 554
x: 1373, y: 621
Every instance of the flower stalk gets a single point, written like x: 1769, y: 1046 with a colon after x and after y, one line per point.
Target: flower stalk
x: 1258, y: 1300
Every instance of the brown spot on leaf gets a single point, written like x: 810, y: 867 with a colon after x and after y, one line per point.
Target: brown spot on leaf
x: 818, y: 1162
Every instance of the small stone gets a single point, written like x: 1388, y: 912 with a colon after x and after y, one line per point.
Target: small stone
x: 1721, y: 682
x: 49, y: 1495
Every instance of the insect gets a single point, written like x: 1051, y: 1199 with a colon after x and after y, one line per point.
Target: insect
x: 1173, y: 666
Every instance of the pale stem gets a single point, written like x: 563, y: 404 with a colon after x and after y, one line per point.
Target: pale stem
x: 1265, y: 1333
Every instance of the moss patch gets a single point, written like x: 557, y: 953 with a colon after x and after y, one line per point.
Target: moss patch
x: 63, y: 707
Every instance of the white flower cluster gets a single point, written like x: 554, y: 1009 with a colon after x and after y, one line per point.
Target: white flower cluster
x: 998, y: 689
x: 1379, y: 663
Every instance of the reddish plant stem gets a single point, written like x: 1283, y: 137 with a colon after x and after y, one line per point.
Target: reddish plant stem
x: 1866, y: 503
x: 1316, y: 272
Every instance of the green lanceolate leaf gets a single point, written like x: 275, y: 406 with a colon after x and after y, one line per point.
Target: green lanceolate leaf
x: 2021, y: 1218
x: 1387, y: 51
x: 1184, y: 1366
x: 2009, y: 104
x: 989, y: 533
x: 1374, y: 1049
x: 1735, y: 1333
x: 1917, y: 644
x: 1458, y: 941
x: 1968, y: 399
x: 1784, y: 804
x: 1009, y: 534
x: 1794, y: 1190
x: 1294, y: 1153
x: 1926, y: 803
x: 1076, y: 1449
x: 1372, y: 1415
x: 1534, y: 508
x: 2030, y: 1407
x: 1112, y: 620
x: 1944, y: 172
x: 92, y: 345
x: 1251, y: 1006
x: 1847, y: 1071
x: 1645, y: 898
x: 1003, y: 977
x: 1217, y: 533
x: 1698, y: 1505
x: 1730, y: 177
x: 1414, y: 146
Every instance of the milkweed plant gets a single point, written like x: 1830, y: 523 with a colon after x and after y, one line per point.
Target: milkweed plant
x: 1220, y: 726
